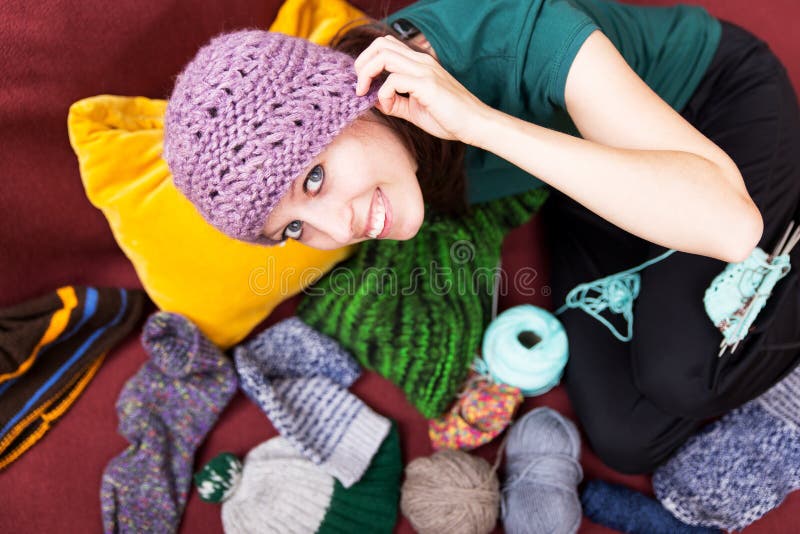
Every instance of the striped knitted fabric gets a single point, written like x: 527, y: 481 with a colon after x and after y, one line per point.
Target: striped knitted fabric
x: 299, y: 377
x: 165, y: 411
x: 278, y: 491
x: 50, y: 349
x: 739, y: 467
x: 415, y: 311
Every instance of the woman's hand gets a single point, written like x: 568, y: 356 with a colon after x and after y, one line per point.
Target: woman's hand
x: 435, y: 101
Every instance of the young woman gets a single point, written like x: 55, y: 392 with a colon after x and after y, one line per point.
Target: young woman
x: 654, y: 128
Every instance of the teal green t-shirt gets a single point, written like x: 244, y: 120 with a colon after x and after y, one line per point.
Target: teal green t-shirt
x: 515, y: 55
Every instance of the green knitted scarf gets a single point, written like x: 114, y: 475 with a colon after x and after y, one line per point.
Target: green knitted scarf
x: 415, y: 311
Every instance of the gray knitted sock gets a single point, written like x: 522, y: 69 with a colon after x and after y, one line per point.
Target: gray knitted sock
x: 739, y: 467
x: 541, y: 475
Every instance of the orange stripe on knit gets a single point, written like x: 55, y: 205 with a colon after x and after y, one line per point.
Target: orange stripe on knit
x: 58, y: 323
x: 46, y: 416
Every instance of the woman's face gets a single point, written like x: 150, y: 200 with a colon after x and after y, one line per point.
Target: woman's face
x: 365, y: 170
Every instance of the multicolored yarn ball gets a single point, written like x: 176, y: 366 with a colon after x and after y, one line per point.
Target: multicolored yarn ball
x: 415, y: 311
x: 482, y: 411
x: 451, y: 491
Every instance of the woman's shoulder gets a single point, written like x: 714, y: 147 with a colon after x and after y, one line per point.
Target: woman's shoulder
x: 462, y: 33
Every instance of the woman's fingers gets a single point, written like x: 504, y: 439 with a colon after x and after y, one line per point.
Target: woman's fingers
x: 384, y: 54
x: 379, y: 43
x: 390, y: 102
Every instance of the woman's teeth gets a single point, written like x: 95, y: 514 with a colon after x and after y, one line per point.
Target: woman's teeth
x: 378, y: 218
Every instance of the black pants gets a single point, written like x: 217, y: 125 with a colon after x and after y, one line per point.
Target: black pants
x: 640, y: 400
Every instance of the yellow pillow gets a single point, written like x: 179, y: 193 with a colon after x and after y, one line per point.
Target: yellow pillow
x: 316, y: 20
x: 225, y: 286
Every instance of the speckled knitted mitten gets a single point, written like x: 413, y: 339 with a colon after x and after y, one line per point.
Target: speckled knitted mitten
x: 165, y: 410
x: 739, y: 467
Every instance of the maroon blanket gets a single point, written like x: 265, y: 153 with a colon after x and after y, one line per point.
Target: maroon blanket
x: 56, y: 52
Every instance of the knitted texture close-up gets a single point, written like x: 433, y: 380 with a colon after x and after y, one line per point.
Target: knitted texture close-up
x: 247, y: 116
x: 415, y: 311
x: 739, y: 467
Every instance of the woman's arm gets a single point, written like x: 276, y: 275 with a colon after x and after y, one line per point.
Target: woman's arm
x: 639, y: 165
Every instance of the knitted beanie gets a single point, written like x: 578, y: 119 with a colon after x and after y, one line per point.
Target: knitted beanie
x: 247, y: 116
x: 279, y: 491
x: 415, y: 310
x: 51, y: 347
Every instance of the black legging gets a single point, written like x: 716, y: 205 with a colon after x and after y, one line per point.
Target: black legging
x: 638, y: 401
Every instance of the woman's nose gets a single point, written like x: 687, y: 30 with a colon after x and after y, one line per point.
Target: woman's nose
x: 336, y: 223
x: 340, y: 230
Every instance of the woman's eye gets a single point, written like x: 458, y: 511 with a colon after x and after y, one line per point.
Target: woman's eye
x: 314, y: 179
x: 293, y: 230
x: 312, y: 183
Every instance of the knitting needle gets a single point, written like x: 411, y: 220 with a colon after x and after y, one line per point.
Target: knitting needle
x: 778, y: 250
x: 789, y: 246
x: 783, y: 239
x: 792, y: 242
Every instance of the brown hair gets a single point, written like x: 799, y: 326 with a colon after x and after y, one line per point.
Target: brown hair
x: 440, y: 173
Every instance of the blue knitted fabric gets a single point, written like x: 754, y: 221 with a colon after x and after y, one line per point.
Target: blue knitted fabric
x: 299, y: 377
x: 739, y: 467
x: 621, y: 508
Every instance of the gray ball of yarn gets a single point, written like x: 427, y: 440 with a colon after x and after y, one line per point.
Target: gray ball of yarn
x: 541, y: 475
x: 451, y: 491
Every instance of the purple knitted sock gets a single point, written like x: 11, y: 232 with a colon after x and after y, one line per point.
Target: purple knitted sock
x: 165, y: 410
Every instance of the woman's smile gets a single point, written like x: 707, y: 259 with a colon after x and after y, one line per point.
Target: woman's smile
x: 379, y: 218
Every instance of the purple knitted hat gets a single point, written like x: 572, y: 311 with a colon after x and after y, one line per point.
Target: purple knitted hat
x: 247, y: 116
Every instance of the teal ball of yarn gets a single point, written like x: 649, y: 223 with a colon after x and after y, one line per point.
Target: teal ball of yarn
x: 526, y: 346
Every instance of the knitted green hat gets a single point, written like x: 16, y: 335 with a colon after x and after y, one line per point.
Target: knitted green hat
x: 415, y: 311
x: 278, y: 490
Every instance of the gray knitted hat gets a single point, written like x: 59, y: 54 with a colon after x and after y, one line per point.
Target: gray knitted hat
x: 247, y: 116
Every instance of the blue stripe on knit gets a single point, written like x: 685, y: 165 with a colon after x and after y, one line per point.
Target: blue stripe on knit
x: 337, y: 432
x: 7, y: 384
x: 333, y: 423
x: 325, y: 401
x: 89, y: 309
x: 313, y: 412
x: 300, y: 400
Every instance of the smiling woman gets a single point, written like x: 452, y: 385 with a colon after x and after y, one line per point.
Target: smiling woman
x: 655, y: 129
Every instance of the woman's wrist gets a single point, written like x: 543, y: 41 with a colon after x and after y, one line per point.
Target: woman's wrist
x: 485, y: 127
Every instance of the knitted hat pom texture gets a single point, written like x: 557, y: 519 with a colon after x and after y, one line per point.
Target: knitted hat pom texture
x: 248, y: 115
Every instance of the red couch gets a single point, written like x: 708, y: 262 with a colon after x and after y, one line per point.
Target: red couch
x: 56, y: 52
